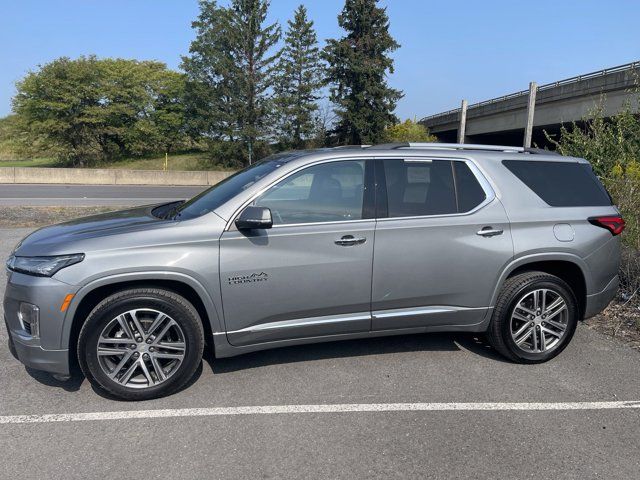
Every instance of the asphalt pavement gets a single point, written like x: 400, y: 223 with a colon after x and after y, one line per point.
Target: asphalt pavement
x: 465, y: 426
x: 91, y: 195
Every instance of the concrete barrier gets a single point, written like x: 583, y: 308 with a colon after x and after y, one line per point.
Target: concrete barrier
x: 103, y: 176
x: 7, y: 175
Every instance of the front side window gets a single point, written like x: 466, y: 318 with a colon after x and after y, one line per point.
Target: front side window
x: 328, y: 192
x: 224, y: 191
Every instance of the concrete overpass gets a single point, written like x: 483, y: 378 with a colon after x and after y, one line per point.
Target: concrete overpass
x: 503, y: 120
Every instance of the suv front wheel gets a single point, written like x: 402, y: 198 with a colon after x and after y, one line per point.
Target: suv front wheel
x: 535, y: 318
x: 141, y: 343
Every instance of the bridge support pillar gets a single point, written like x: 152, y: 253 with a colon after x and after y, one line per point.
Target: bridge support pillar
x: 463, y: 121
x: 531, y: 107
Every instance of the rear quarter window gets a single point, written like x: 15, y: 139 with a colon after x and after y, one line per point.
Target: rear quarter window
x: 560, y: 184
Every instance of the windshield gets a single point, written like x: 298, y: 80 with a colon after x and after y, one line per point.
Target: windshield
x: 224, y: 191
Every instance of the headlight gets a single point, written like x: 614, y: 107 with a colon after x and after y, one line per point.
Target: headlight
x: 42, y: 266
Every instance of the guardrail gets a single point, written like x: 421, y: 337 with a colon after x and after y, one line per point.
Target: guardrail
x: 103, y: 176
x: 547, y: 86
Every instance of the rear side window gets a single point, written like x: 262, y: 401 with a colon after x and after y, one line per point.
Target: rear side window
x: 561, y: 184
x: 434, y: 187
x: 419, y: 188
x: 470, y: 193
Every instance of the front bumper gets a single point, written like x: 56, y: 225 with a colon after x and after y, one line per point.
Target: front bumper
x: 599, y: 301
x: 49, y: 352
x: 34, y: 356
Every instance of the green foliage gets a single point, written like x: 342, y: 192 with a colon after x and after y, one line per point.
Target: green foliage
x: 16, y: 144
x: 408, y: 131
x: 89, y: 111
x: 612, y: 145
x: 230, y: 70
x: 357, y: 69
x: 298, y: 81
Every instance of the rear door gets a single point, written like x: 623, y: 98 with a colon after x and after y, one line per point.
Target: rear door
x: 310, y: 274
x: 440, y: 244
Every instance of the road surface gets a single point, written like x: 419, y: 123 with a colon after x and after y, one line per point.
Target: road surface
x: 91, y: 195
x: 425, y: 406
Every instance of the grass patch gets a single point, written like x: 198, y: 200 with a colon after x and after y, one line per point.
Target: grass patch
x: 31, y: 162
x: 179, y: 162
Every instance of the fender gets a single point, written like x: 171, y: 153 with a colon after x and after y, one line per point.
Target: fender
x: 209, y: 304
x: 540, y: 257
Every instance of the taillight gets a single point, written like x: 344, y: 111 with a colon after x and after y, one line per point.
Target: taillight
x: 615, y: 224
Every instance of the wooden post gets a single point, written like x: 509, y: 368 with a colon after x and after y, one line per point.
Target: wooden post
x: 531, y: 107
x: 463, y: 121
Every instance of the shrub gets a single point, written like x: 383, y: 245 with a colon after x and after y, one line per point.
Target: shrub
x: 408, y: 131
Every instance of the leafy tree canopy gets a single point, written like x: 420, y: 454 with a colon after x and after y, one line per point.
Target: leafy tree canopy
x: 91, y: 110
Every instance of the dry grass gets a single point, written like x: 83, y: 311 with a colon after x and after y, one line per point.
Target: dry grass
x: 620, y: 320
x: 15, y: 217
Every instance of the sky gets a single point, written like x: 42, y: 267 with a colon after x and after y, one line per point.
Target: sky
x: 449, y: 49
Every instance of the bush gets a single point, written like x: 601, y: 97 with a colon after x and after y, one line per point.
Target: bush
x: 408, y: 131
x: 630, y: 275
x: 612, y: 146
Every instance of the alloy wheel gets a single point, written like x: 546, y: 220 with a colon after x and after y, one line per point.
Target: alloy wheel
x: 539, y: 321
x: 141, y: 348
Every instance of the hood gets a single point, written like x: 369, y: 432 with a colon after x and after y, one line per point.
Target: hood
x: 68, y: 237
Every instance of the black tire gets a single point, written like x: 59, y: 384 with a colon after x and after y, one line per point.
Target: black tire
x: 499, y: 332
x: 175, y: 306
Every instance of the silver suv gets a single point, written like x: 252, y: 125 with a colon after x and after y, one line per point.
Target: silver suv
x: 321, y: 245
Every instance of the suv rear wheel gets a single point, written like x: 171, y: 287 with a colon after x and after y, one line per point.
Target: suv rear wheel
x: 535, y: 318
x: 141, y: 343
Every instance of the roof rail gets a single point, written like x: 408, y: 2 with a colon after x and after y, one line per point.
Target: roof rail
x: 462, y: 146
x: 448, y: 146
x: 350, y: 147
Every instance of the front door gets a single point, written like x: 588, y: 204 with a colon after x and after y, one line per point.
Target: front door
x: 310, y: 274
x: 441, y: 247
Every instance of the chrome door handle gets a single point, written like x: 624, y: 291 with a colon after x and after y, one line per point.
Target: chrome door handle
x: 489, y: 232
x: 349, y: 240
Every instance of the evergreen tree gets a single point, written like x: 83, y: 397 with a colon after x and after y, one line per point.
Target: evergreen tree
x: 298, y: 83
x: 357, y: 67
x: 231, y: 68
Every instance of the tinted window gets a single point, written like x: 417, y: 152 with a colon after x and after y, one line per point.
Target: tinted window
x: 224, y: 191
x: 561, y: 184
x: 470, y: 193
x: 419, y: 188
x: 323, y: 193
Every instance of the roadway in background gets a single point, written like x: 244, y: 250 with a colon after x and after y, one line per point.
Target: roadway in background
x: 92, y: 195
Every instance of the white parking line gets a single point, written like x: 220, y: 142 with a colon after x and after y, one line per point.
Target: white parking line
x: 337, y: 408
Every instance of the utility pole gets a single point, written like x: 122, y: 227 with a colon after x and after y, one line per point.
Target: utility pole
x: 531, y: 107
x: 463, y: 121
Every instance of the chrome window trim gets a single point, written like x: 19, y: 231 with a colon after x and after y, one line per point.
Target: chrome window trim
x: 302, y: 167
x: 482, y: 180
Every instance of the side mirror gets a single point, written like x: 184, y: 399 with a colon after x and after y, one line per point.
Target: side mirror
x: 254, y: 217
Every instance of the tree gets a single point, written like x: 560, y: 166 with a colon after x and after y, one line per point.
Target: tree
x: 358, y: 64
x: 90, y: 110
x: 299, y: 79
x: 408, y: 131
x: 230, y: 70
